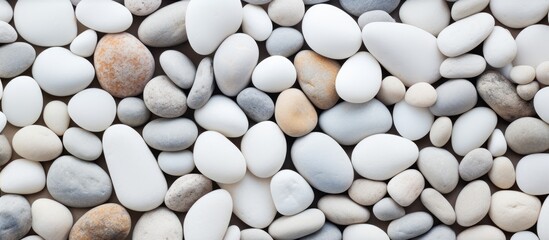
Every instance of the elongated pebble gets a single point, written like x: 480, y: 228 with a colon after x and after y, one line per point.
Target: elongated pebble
x: 440, y: 168
x: 223, y: 115
x: 502, y: 174
x: 296, y: 226
x: 438, y: 205
x: 56, y: 117
x: 186, y: 190
x: 441, y: 131
x: 203, y: 85
x: 264, y: 148
x: 341, y: 210
x: 367, y: 192
x: 472, y: 203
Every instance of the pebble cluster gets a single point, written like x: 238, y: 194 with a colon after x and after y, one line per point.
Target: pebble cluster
x: 285, y: 119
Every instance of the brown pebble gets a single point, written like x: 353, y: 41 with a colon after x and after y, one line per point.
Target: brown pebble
x: 316, y: 76
x: 186, y: 190
x: 295, y: 115
x: 105, y: 222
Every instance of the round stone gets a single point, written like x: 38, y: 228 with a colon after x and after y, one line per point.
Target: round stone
x: 257, y: 105
x: 499, y: 48
x: 133, y: 112
x: 531, y: 174
x: 163, y: 98
x: 291, y: 193
x: 454, y: 97
x: 51, y: 219
x: 116, y: 18
x: 37, y: 143
x: 170, y: 134
x: 22, y: 176
x: 176, y: 163
x: 160, y: 223
x: 178, y: 67
x: 412, y: 122
x: 481, y: 232
x: 542, y: 72
x: 274, y: 74
x: 9, y: 34
x: 284, y: 41
x: 524, y: 235
x: 92, y: 109
x: 294, y: 114
x: 392, y: 90
x: 165, y: 27
x: 82, y: 144
x: 84, y: 44
x: 421, y: 95
x: 528, y: 91
x: 514, y: 211
x: 527, y: 135
x: 359, y: 79
x: 367, y: 192
x: 223, y: 115
x: 515, y: 15
x: 439, y: 232
x: 472, y: 129
x: 214, y: 208
x: 441, y: 131
x: 107, y: 221
x: 406, y: 187
x: 15, y: 216
x: 387, y: 209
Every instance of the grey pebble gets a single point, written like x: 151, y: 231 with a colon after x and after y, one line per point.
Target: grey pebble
x: 165, y: 27
x: 374, y: 16
x: 15, y: 58
x: 5, y: 150
x: 133, y: 112
x: 454, y: 97
x: 329, y: 231
x: 475, y: 164
x: 82, y: 144
x: 170, y: 134
x: 7, y: 33
x: 439, y: 167
x: 527, y: 135
x: 284, y: 41
x: 184, y: 192
x: 203, y: 86
x: 179, y: 68
x: 358, y: 7
x: 163, y: 98
x: 387, y: 210
x: 77, y: 183
x: 15, y: 217
x: 439, y: 232
x: 256, y: 104
x: 410, y: 226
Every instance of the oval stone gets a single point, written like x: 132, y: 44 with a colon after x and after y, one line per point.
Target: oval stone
x: 465, y: 34
x: 203, y: 84
x: 264, y: 148
x: 410, y: 226
x: 132, y: 111
x: 472, y: 203
x: 299, y: 225
x: 115, y: 16
x: 15, y: 216
x: 527, y: 135
x: 17, y: 56
x: 438, y: 205
x: 84, y: 44
x: 56, y: 117
x: 178, y: 67
x: 37, y: 143
x: 359, y: 79
x: 475, y: 164
x: 163, y: 98
x: 222, y: 114
x: 51, y: 219
x: 22, y: 101
x: 412, y: 122
x: 465, y: 66
x: 176, y: 163
x: 257, y: 105
x: 290, y: 192
x: 274, y: 74
x: 107, y: 221
x: 256, y: 22
x: 514, y: 211
x: 316, y: 76
x: 411, y: 12
x: 439, y: 167
x: 531, y: 174
x: 500, y: 48
x: 170, y: 134
x: 82, y: 144
x: 93, y: 109
x: 405, y: 187
x: 341, y: 210
x: 186, y: 190
x: 284, y: 41
x: 22, y: 176
x: 454, y: 97
x: 209, y: 217
x: 165, y: 27
x: 294, y: 114
x: 328, y: 231
x: 515, y: 15
x: 472, y: 129
x: 387, y: 209
x: 439, y: 232
x: 481, y: 232
x: 531, y: 49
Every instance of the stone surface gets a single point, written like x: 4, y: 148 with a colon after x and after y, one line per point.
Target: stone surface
x: 160, y: 223
x: 203, y: 85
x: 22, y: 101
x: 82, y: 144
x: 223, y: 115
x: 522, y: 74
x: 421, y: 95
x: 284, y: 41
x: 441, y: 131
x: 170, y: 134
x: 439, y: 232
x: 50, y: 219
x: 374, y: 16
x: 18, y: 57
x: 8, y: 33
x: 254, y: 233
x: 142, y: 8
x: 15, y: 216
x: 465, y: 34
x: 107, y: 221
x: 274, y: 74
x: 163, y: 98
x: 405, y: 187
x: 412, y: 122
x: 472, y: 129
x: 467, y: 8
x: 178, y: 67
x: 367, y: 192
x: 438, y: 205
x: 316, y: 76
x: 514, y: 211
x: 465, y: 66
x: 209, y: 217
x: 5, y: 150
x: 296, y: 226
x: 165, y: 27
x: 410, y: 226
x: 290, y: 192
x: 116, y: 17
x: 37, y: 143
x: 392, y: 90
x: 186, y: 190
x: 132, y: 111
x: 502, y: 174
x: 439, y: 167
x: 341, y: 210
x: 475, y: 164
x: 387, y: 209
x: 93, y: 109
x: 264, y: 148
x: 472, y: 203
x: 328, y: 231
x: 497, y: 145
x: 527, y: 135
x: 528, y: 91
x: 56, y: 117
x: 530, y: 48
x: 286, y: 13
x: 543, y: 219
x: 256, y: 104
x: 22, y: 176
x: 294, y: 114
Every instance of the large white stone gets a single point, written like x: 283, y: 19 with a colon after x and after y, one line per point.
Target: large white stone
x: 114, y: 18
x: 359, y: 79
x: 499, y: 48
x: 22, y: 176
x: 209, y: 217
x: 93, y: 109
x: 223, y: 115
x: 531, y: 47
x: 464, y: 35
x: 531, y: 174
x: 22, y: 101
x: 256, y: 22
x: 50, y: 219
x: 412, y: 122
x: 472, y: 129
x: 514, y: 211
x: 412, y: 12
x: 514, y: 14
x: 291, y: 193
x: 264, y: 148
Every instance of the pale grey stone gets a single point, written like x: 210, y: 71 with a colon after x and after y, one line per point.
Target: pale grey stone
x: 256, y: 104
x: 170, y: 134
x: 284, y: 41
x: 15, y: 58
x: 203, y: 86
x: 133, y: 112
x: 15, y: 217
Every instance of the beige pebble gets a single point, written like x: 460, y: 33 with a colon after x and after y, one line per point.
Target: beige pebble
x: 37, y: 143
x: 523, y: 74
x: 107, y: 221
x: 56, y: 117
x: 421, y: 94
x: 514, y: 211
x: 392, y: 90
x: 341, y: 210
x: 441, y: 131
x: 438, y: 205
x: 472, y: 203
x: 542, y: 73
x: 528, y: 91
x: 186, y: 190
x: 316, y: 76
x: 294, y: 114
x: 406, y: 187
x: 481, y: 232
x: 367, y: 192
x: 254, y: 234
x: 502, y: 173
x: 296, y: 226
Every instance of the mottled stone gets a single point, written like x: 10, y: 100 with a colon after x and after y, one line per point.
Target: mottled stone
x: 257, y: 105
x: 106, y: 222
x: 184, y: 192
x: 163, y: 98
x: 15, y: 217
x: 316, y: 76
x: 15, y: 58
x: 294, y: 114
x: 203, y: 85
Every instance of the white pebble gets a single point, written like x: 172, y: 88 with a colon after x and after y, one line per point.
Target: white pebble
x: 497, y: 145
x: 406, y: 187
x: 56, y: 117
x: 359, y: 79
x: 291, y: 193
x: 92, y: 109
x: 176, y: 163
x: 114, y: 18
x: 256, y: 22
x: 264, y: 148
x: 22, y: 176
x: 274, y: 74
x: 421, y: 95
x: 523, y: 74
x: 502, y: 173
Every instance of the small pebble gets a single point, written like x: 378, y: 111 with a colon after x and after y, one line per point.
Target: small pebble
x: 316, y: 76
x: 531, y: 175
x: 481, y: 232
x: 232, y: 233
x: 387, y: 209
x: 37, y: 143
x: 132, y: 111
x: 440, y: 168
x: 256, y: 104
x: 295, y: 115
x: 367, y: 192
x: 170, y: 134
x: 439, y: 232
x: 18, y: 57
x: 497, y: 145
x: 410, y: 12
x: 203, y: 85
x: 472, y: 203
x: 514, y: 211
x: 499, y: 48
x: 465, y: 8
x: 350, y: 84
x: 93, y: 109
x: 508, y: 13
x: 186, y: 190
x: 274, y: 74
x: 116, y: 18
x: 527, y: 135
x: 264, y: 147
x: 284, y: 41
x: 51, y: 219
x: 454, y: 97
x: 160, y: 223
x: 410, y: 226
x: 475, y: 164
x: 84, y: 44
x: 528, y: 91
x: 502, y: 173
x: 406, y: 187
x: 176, y: 163
x: 421, y: 95
x: 542, y: 73
x: 465, y: 66
x: 441, y: 131
x: 296, y: 226
x: 341, y: 210
x: 163, y: 98
x: 465, y: 34
x: 7, y: 33
x: 256, y: 22
x: 22, y: 93
x: 412, y: 122
x: 82, y: 144
x: 254, y: 234
x: 222, y: 114
x: 358, y: 231
x: 438, y: 205
x: 328, y: 231
x: 214, y: 208
x: 391, y: 91
x: 286, y: 13
x: 56, y: 117
x: 523, y: 74
x: 472, y: 129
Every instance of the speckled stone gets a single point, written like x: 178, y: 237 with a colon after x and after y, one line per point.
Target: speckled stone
x: 184, y: 192
x: 284, y: 41
x: 163, y: 98
x: 358, y: 7
x: 108, y: 221
x: 15, y: 217
x: 133, y: 112
x: 256, y: 104
x: 174, y: 134
x: 316, y: 76
x: 203, y: 85
x: 15, y: 58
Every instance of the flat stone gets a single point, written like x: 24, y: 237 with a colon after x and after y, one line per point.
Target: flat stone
x: 170, y: 134
x: 203, y: 85
x: 37, y: 143
x: 472, y: 203
x: 439, y: 167
x: 51, y: 219
x: 186, y: 190
x: 178, y: 67
x: 18, y: 57
x: 316, y: 76
x: 527, y: 135
x: 410, y: 226
x: 82, y: 144
x: 160, y: 223
x: 15, y: 216
x: 107, y: 221
x: 299, y: 225
x: 132, y: 111
x: 387, y: 209
x: 215, y: 209
x: 294, y: 114
x: 341, y: 210
x: 163, y: 98
x: 256, y: 104
x: 284, y: 41
x: 14, y: 178
x: 165, y: 27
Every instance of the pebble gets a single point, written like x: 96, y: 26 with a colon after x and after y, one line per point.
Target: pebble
x: 412, y: 122
x: 232, y: 233
x: 294, y: 114
x: 160, y: 223
x: 222, y: 114
x: 464, y: 66
x: 497, y: 145
x: 8, y: 33
x: 499, y: 48
x: 176, y: 163
x: 527, y: 135
x: 475, y: 164
x: 358, y: 231
x: 37, y: 143
x: 405, y: 187
x: 472, y: 129
x: 439, y: 232
x: 234, y: 62
x: 5, y: 150
x: 502, y: 173
x: 462, y: 9
x: 51, y: 219
x: 56, y: 117
x: 481, y: 232
x: 178, y: 67
x: 438, y: 205
x: 328, y: 231
x: 132, y: 111
x: 92, y: 109
x: 163, y: 98
x: 441, y: 131
x: 256, y: 22
x: 387, y: 209
x: 421, y: 95
x: 165, y: 27
x: 142, y: 8
x: 170, y: 134
x: 516, y: 15
x: 392, y: 90
x: 407, y: 52
x: 17, y: 56
x: 22, y: 176
x: 284, y: 41
x: 316, y: 76
x: 186, y: 190
x: 6, y: 12
x: 472, y: 203
x: 528, y: 91
x: 32, y: 237
x: 359, y: 79
x: 142, y: 187
x: 465, y: 34
x: 543, y: 219
x: 84, y: 44
x: 542, y: 73
x: 524, y: 235
x: 372, y: 157
x: 440, y: 168
x: 348, y: 123
x: 107, y: 221
x: 214, y: 208
x: 123, y: 65
x: 262, y: 2
x: 22, y: 101
x: 411, y: 13
x: 522, y: 74
x: 329, y: 171
x: 531, y: 175
x: 296, y: 226
x: 286, y: 13
x: 257, y: 105
x: 331, y: 32
x: 254, y: 234
x: 115, y: 16
x: 410, y: 226
x: 359, y: 7
x: 35, y: 23
x: 530, y: 48
x: 290, y: 192
x: 274, y: 74
x: 209, y: 147
x: 374, y: 16
x: 264, y: 148
x: 82, y: 144
x: 203, y: 85
x: 15, y: 216
x: 514, y: 211
x: 367, y: 192
x: 540, y: 99
x: 341, y: 210
x: 209, y: 22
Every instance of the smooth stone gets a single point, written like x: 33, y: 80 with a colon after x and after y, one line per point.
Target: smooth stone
x: 234, y: 62
x: 514, y: 15
x: 441, y: 131
x: 464, y: 66
x: 472, y: 129
x: 358, y: 231
x: 522, y: 74
x: 3, y: 122
x: 392, y: 90
x: 329, y: 171
x: 348, y: 123
x: 316, y: 76
x: 410, y: 226
x: 543, y: 220
x: 290, y: 192
x: 186, y: 190
x: 405, y: 187
x: 438, y: 205
x: 331, y: 32
x: 170, y: 134
x: 7, y: 33
x: 82, y: 144
x: 481, y: 232
x: 6, y: 12
x: 17, y: 58
x: 294, y: 114
x: 210, y: 146
x: 542, y: 73
x: 261, y: 2
x: 527, y: 135
x: 107, y: 221
x: 203, y: 85
x: 497, y: 145
x: 56, y: 117
x: 176, y: 163
x: 367, y: 192
x: 32, y: 237
x: 178, y: 67
x: 254, y: 234
x: 22, y: 93
x: 256, y: 22
x: 528, y: 91
x: 439, y: 232
x: 92, y: 109
x: 531, y: 48
x: 222, y: 114
x: 472, y: 203
x: 412, y: 122
x: 328, y: 231
x: 257, y: 105
x: 374, y: 16
x: 341, y: 210
x: 465, y: 34
x: 359, y: 79
x: 464, y: 8
x: 123, y: 65
x: 440, y: 168
x: 84, y: 44
x: 232, y: 233
x: 132, y: 111
x: 142, y: 8
x: 209, y: 22
x: 22, y: 176
x: 15, y: 216
x: 514, y: 211
x: 286, y: 13
x: 475, y: 164
x: 284, y: 41
x: 499, y: 48
x: 160, y: 223
x: 411, y: 13
x: 264, y: 148
x: 531, y: 175
x: 357, y: 7
x: 524, y: 235
x: 274, y: 74
x: 502, y: 174
x: 421, y: 95
x: 142, y: 187
x: 296, y: 226
x: 163, y: 98
x: 388, y: 41
x: 36, y: 143
x: 373, y: 158
x: 115, y: 16
x: 50, y: 219
x: 5, y: 150
x: 60, y: 72
x: 165, y: 27
x: 387, y: 209
x: 540, y: 100
x: 45, y: 23
x: 77, y: 183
